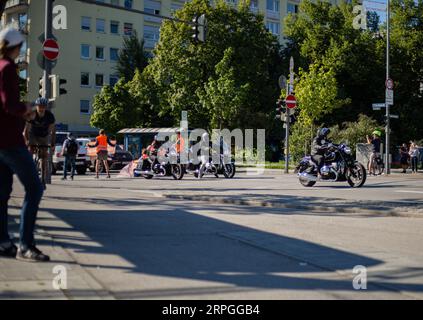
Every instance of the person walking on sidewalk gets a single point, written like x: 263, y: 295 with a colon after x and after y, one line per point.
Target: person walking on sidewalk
x: 102, y: 141
x: 404, y: 157
x: 14, y: 156
x: 414, y: 155
x: 69, y: 151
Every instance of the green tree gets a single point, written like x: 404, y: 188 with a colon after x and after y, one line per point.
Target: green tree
x: 407, y: 69
x: 231, y: 79
x: 355, y: 131
x: 114, y: 108
x: 131, y: 57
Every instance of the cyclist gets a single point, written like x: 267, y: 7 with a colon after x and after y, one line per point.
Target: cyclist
x: 40, y: 133
x: 375, y: 141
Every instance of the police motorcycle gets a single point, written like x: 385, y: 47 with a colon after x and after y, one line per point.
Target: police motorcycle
x: 162, y: 163
x: 339, y: 165
x: 225, y: 165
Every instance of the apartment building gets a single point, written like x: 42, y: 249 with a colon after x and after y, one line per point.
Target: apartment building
x: 89, y: 46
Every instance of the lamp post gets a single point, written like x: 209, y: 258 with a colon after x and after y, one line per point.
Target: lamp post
x: 387, y: 128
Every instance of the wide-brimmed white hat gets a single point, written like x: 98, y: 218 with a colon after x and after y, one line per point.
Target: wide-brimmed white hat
x: 13, y: 37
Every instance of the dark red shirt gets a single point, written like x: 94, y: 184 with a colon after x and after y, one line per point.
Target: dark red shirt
x: 11, y: 109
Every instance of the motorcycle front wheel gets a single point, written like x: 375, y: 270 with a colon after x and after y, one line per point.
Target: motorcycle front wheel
x: 177, y: 172
x: 357, y: 175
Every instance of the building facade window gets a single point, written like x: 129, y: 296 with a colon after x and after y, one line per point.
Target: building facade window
x: 100, y: 25
x: 99, y: 80
x: 128, y: 4
x: 127, y: 29
x: 151, y: 36
x: 23, y: 21
x: 113, y: 79
x: 99, y: 53
x: 86, y: 23
x: 273, y: 27
x: 85, y: 51
x: 272, y: 5
x: 151, y: 6
x: 114, y: 27
x: 254, y: 4
x: 84, y: 106
x: 292, y: 8
x: 114, y: 54
x: 85, y: 79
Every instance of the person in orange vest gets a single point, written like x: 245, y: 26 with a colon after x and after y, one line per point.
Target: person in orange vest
x: 180, y: 143
x: 101, y: 148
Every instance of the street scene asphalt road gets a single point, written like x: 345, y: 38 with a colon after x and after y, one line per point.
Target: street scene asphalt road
x: 251, y: 237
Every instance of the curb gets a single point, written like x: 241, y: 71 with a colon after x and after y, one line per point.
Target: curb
x: 380, y: 211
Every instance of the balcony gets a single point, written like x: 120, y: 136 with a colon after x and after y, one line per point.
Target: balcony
x: 14, y: 6
x: 273, y: 14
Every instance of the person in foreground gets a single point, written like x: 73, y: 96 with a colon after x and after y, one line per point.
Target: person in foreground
x: 14, y: 156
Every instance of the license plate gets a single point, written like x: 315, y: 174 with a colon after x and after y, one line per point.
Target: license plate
x: 79, y: 162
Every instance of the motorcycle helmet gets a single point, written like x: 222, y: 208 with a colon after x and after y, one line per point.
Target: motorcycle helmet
x: 323, y: 133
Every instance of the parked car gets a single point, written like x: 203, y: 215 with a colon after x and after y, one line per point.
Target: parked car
x: 82, y: 161
x: 116, y: 161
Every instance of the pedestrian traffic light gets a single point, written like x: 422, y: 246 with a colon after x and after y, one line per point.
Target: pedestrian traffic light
x: 281, y: 109
x: 199, y: 28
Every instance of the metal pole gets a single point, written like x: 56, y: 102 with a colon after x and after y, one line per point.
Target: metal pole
x: 287, y: 141
x: 387, y: 128
x: 48, y: 27
x: 290, y: 89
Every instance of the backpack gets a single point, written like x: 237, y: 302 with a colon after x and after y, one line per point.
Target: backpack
x: 71, y: 148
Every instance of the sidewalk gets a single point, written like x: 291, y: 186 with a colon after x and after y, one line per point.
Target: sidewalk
x: 26, y: 280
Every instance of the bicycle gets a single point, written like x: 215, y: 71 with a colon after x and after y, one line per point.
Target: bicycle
x: 38, y: 156
x: 378, y: 165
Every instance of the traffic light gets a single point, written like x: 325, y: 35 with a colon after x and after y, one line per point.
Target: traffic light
x: 56, y: 86
x: 281, y: 109
x: 199, y: 28
x: 62, y: 90
x: 41, y: 87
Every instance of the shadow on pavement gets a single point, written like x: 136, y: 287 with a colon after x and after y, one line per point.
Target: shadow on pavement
x: 173, y: 242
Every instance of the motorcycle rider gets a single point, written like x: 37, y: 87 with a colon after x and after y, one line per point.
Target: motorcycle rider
x: 319, y: 147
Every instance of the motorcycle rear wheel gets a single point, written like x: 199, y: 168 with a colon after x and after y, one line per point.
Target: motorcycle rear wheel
x: 229, y: 171
x: 177, y: 172
x: 304, y: 181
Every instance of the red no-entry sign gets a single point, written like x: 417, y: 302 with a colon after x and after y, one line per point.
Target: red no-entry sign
x: 50, y: 49
x: 290, y: 101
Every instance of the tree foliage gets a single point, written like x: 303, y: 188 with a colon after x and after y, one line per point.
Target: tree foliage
x: 131, y: 57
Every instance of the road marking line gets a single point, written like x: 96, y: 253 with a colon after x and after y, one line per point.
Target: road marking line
x: 409, y: 191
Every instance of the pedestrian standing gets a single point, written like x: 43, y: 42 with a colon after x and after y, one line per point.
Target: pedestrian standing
x: 414, y: 156
x: 69, y: 151
x: 14, y: 156
x: 102, y: 141
x: 404, y: 157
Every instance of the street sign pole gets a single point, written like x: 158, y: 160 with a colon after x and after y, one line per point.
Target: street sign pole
x: 288, y: 118
x: 48, y: 27
x: 387, y: 128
